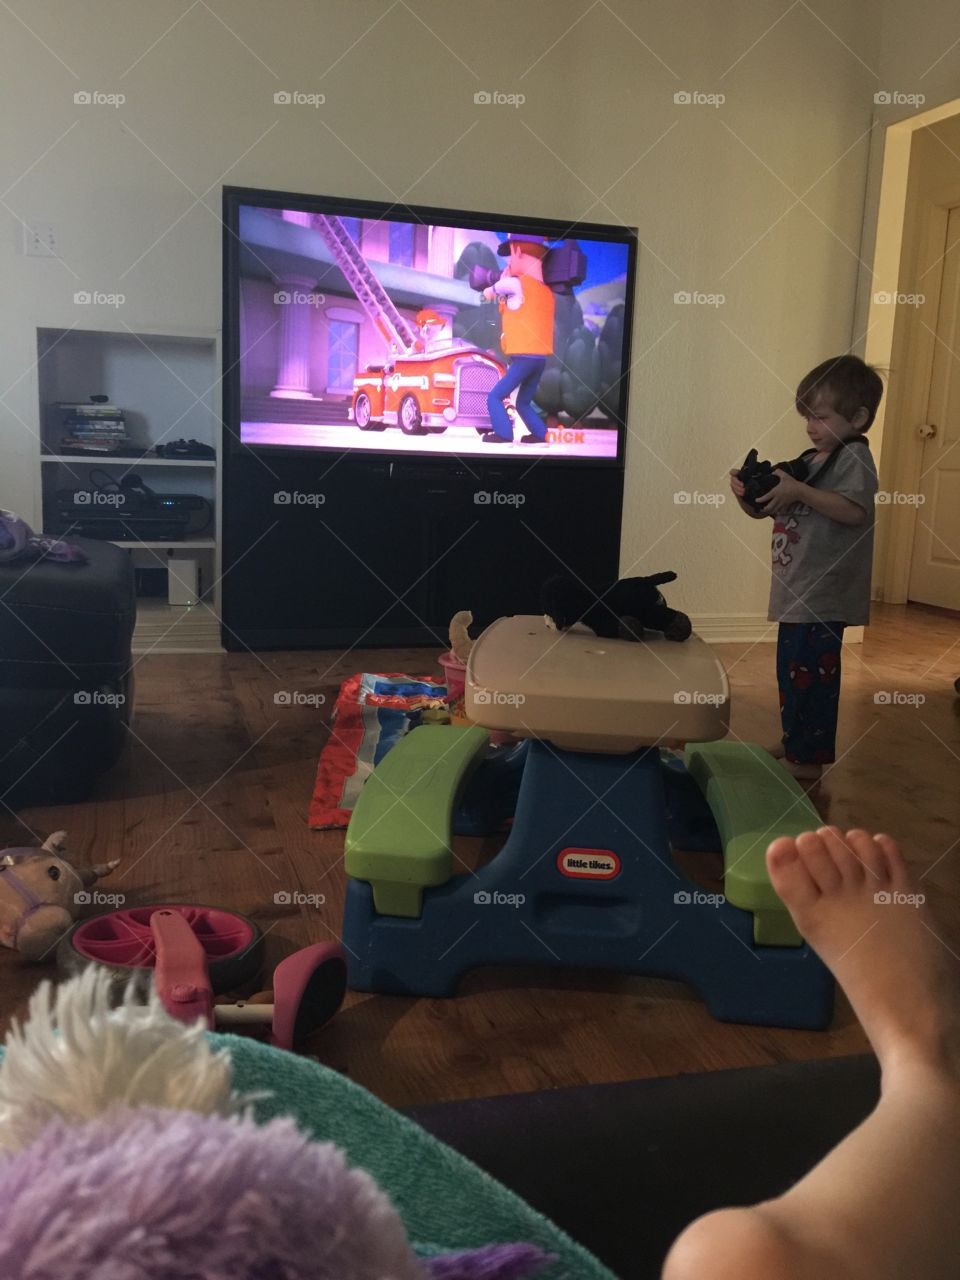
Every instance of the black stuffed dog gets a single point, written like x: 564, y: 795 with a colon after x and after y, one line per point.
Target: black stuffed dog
x: 622, y: 611
x: 758, y: 478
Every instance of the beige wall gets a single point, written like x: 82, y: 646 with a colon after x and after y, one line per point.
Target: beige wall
x: 133, y: 192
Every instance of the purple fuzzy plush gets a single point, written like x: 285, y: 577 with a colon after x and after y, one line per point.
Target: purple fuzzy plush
x: 152, y: 1194
x: 495, y: 1262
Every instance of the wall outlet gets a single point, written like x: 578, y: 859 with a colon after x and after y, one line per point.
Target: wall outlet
x: 39, y: 240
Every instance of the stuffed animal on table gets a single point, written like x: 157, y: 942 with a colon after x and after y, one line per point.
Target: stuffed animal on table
x: 758, y: 477
x: 625, y: 610
x: 41, y: 894
x: 126, y: 1152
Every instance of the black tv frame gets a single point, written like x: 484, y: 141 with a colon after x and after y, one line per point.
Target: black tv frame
x: 290, y: 584
x: 554, y: 228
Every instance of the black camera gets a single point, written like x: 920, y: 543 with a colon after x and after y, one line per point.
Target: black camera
x: 758, y: 477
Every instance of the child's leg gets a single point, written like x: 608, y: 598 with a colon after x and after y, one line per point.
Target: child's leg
x: 822, y: 704
x: 808, y: 676
x: 788, y: 646
x: 882, y: 1204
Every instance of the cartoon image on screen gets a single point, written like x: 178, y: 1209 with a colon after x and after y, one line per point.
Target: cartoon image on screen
x: 389, y: 335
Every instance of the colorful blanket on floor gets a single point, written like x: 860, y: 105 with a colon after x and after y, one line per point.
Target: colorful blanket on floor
x: 373, y: 711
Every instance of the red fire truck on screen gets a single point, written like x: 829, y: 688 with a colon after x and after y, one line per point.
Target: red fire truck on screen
x: 427, y: 391
x: 417, y: 391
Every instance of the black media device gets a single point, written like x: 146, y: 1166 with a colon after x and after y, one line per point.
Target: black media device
x: 127, y: 510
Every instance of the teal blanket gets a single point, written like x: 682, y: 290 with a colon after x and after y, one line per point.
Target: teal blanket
x: 446, y: 1202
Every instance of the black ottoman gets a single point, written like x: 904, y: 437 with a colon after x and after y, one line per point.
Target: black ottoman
x: 65, y: 673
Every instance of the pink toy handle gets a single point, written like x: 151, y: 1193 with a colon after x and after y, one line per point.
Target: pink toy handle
x: 180, y: 974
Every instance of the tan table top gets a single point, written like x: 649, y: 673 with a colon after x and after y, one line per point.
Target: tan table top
x: 586, y: 694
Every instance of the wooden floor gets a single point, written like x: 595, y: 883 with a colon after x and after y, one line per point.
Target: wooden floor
x: 209, y: 805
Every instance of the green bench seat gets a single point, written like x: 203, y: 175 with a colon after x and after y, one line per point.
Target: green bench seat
x: 400, y: 830
x: 753, y: 800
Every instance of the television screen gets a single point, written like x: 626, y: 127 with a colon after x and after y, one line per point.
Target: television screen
x: 431, y: 333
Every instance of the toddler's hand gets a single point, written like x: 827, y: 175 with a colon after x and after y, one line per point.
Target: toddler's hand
x: 781, y: 496
x: 737, y: 485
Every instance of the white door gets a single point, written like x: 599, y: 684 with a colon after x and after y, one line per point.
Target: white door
x: 935, y: 564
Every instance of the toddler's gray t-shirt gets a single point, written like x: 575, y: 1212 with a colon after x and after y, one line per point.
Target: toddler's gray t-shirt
x: 821, y: 568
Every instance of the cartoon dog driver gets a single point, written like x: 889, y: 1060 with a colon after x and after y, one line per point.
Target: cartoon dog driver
x: 526, y: 318
x: 431, y: 327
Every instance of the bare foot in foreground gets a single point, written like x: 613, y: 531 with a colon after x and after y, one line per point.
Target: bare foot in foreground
x: 882, y: 1204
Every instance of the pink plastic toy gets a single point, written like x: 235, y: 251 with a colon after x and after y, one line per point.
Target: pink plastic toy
x: 308, y: 986
x: 177, y: 942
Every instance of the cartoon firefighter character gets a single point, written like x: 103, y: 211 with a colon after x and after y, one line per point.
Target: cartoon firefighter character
x: 431, y: 327
x: 784, y: 536
x: 526, y: 318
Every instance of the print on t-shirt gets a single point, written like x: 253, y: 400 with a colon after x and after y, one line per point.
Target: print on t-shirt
x: 785, y: 534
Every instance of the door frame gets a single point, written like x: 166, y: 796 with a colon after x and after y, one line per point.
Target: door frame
x: 902, y: 340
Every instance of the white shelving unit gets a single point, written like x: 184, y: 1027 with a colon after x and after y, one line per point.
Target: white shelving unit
x: 168, y: 387
x: 128, y: 463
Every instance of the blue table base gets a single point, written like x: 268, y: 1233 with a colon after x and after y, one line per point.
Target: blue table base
x: 534, y: 905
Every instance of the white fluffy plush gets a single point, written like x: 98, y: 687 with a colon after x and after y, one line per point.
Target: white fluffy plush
x: 77, y: 1055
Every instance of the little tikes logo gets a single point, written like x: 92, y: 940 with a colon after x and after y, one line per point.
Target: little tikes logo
x: 588, y: 864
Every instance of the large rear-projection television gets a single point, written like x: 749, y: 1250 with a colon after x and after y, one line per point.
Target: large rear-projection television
x: 402, y: 330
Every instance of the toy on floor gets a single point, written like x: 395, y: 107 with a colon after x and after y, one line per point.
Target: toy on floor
x: 179, y: 945
x: 308, y: 986
x: 126, y: 1152
x: 758, y: 477
x: 625, y: 610
x: 586, y: 878
x: 433, y: 715
x: 41, y: 893
x: 429, y: 710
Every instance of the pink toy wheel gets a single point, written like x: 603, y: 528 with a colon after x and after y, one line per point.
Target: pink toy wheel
x: 123, y: 942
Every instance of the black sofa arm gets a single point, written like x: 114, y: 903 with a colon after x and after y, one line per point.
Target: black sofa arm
x: 66, y: 689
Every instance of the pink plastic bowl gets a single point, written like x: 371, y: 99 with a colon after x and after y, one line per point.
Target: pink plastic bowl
x: 455, y: 674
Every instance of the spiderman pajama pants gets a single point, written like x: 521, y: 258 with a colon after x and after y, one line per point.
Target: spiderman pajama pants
x: 808, y: 673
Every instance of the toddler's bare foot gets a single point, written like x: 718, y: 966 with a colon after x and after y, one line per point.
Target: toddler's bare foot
x: 854, y: 901
x: 777, y: 750
x: 882, y: 1204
